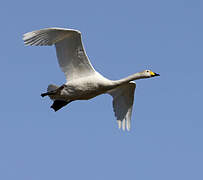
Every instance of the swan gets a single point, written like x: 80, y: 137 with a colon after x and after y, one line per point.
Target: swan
x: 83, y: 82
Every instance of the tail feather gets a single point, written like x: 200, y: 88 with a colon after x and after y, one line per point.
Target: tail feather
x: 51, y: 90
x: 52, y: 87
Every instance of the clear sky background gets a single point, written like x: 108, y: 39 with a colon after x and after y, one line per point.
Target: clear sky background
x: 82, y: 140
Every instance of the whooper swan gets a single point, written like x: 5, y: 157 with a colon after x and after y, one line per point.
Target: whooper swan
x: 83, y: 81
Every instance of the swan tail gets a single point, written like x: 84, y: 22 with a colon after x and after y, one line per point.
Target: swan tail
x: 51, y: 90
x: 52, y: 87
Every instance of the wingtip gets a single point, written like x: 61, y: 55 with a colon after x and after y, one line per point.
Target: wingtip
x: 119, y: 124
x: 123, y: 125
x: 128, y: 125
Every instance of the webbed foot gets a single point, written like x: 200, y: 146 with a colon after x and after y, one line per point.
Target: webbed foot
x: 58, y: 104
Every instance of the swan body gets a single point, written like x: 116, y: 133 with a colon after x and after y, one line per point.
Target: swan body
x: 83, y: 81
x: 83, y: 88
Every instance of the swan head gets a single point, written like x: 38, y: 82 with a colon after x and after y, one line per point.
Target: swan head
x: 149, y: 73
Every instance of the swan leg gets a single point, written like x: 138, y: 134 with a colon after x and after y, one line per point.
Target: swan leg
x: 53, y: 92
x: 48, y: 93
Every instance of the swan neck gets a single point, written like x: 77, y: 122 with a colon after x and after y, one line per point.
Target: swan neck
x: 132, y: 77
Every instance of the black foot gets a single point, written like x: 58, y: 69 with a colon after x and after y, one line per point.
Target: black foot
x: 44, y: 94
x: 48, y: 93
x: 58, y: 104
x: 53, y: 92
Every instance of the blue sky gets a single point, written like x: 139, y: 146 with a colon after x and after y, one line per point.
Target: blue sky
x: 82, y: 141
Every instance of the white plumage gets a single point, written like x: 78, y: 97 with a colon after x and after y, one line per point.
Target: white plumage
x: 83, y: 82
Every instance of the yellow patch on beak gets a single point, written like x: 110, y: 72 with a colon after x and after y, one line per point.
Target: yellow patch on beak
x: 152, y: 73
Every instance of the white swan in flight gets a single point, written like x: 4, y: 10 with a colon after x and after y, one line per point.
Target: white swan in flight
x: 83, y: 81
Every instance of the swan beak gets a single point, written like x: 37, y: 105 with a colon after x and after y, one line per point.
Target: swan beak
x: 154, y: 74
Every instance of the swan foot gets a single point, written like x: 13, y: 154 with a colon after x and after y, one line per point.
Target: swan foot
x: 58, y: 104
x: 54, y: 91
x: 48, y: 94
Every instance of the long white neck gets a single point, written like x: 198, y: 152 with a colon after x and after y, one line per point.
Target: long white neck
x: 132, y: 77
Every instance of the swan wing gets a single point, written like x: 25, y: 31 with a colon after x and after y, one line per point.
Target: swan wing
x: 70, y: 52
x: 123, y: 98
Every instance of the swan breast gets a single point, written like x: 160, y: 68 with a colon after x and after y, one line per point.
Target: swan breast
x: 86, y: 88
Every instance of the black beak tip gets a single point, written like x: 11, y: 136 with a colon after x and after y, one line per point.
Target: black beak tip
x: 156, y: 74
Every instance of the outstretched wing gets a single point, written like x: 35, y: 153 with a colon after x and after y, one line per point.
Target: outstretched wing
x: 123, y: 98
x: 70, y: 51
